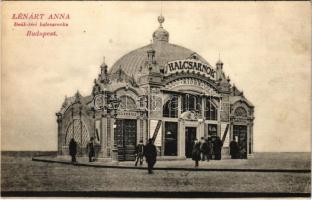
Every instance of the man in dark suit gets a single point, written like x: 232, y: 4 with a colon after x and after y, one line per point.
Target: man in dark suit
x: 217, y: 148
x: 73, y: 149
x: 234, y: 149
x: 150, y: 153
x: 90, y: 148
x: 139, y: 151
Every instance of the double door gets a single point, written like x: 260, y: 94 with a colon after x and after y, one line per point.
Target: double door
x: 126, y: 132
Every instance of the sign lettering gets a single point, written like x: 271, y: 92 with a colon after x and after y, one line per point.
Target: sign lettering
x: 190, y: 65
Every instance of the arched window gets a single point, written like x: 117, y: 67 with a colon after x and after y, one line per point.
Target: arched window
x: 127, y: 103
x: 211, y: 111
x: 191, y: 102
x: 77, y: 130
x: 240, y: 112
x: 170, y: 108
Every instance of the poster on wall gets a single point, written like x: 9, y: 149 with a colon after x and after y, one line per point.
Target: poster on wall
x: 153, y: 126
x: 225, y: 133
x: 97, y: 130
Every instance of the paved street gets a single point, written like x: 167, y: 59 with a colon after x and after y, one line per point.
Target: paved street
x: 26, y: 175
x: 260, y: 161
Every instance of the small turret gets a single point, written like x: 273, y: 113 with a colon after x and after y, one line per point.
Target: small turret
x: 219, y: 64
x: 151, y: 56
x: 103, y: 76
x: 77, y: 96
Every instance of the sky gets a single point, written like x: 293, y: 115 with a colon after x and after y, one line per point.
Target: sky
x: 265, y: 48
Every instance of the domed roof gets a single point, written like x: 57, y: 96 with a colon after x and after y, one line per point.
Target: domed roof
x: 132, y: 62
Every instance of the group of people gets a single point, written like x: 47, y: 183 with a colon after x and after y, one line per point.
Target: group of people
x: 73, y: 150
x: 238, y: 150
x: 206, y: 149
x: 203, y: 149
x: 148, y: 150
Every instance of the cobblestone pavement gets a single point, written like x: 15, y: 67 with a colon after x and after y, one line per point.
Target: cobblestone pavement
x: 23, y: 174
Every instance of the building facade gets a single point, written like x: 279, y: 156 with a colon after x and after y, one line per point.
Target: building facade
x: 161, y: 91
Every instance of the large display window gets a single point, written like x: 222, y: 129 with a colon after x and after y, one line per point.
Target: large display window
x: 211, y: 111
x: 170, y: 108
x: 191, y: 102
x: 171, y: 133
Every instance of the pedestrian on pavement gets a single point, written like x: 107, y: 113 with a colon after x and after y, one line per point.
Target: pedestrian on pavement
x: 234, y: 149
x: 202, y: 141
x: 73, y: 150
x: 90, y: 149
x: 243, y: 152
x: 139, y: 152
x: 204, y: 150
x: 207, y: 149
x: 217, y: 148
x: 210, y: 148
x: 150, y: 153
x: 196, y: 152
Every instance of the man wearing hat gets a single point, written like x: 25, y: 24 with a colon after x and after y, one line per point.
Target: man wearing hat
x: 90, y: 148
x: 139, y: 152
x: 150, y: 153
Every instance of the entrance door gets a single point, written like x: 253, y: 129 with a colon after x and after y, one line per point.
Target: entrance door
x: 190, y: 135
x: 240, y: 133
x: 125, y: 136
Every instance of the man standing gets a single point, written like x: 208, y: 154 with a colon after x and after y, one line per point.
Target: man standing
x: 210, y: 148
x: 217, y: 148
x: 202, y: 143
x: 196, y: 152
x: 234, y: 149
x: 139, y: 151
x: 204, y: 150
x: 150, y: 155
x: 73, y: 150
x: 90, y: 148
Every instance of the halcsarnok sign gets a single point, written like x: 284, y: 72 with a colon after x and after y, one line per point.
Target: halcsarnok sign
x: 190, y: 65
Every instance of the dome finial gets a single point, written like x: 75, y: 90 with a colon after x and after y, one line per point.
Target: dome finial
x: 161, y: 20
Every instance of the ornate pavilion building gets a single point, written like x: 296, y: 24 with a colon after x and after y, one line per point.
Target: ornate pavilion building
x: 161, y: 91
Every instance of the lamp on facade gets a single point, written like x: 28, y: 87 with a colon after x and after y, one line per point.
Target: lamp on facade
x: 112, y: 106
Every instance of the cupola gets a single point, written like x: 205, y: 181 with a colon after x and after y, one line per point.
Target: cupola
x: 161, y: 35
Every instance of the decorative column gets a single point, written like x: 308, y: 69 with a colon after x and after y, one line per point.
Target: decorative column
x: 114, y: 149
x: 181, y: 139
x: 145, y: 130
x: 59, y: 133
x: 103, y: 137
x: 203, y: 108
x: 248, y: 137
x: 141, y: 128
x: 219, y: 118
x: 108, y: 136
x: 251, y: 138
x: 179, y: 106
